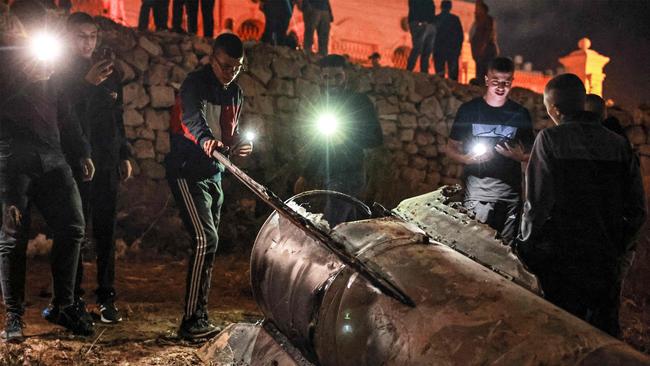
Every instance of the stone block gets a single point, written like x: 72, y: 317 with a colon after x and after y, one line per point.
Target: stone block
x: 287, y: 104
x: 431, y: 108
x: 158, y: 74
x: 410, y: 148
x: 250, y: 86
x: 125, y: 70
x: 424, y: 87
x: 138, y: 58
x: 281, y: 87
x: 407, y: 135
x: 388, y: 127
x: 143, y: 149
x: 162, y: 142
x: 644, y: 149
x: 201, y: 47
x: 178, y: 75
x: 430, y: 151
x: 150, y: 46
x: 285, y: 68
x: 385, y: 108
x: 162, y: 96
x: 129, y: 132
x: 152, y: 169
x: 145, y: 133
x: 418, y: 162
x: 172, y: 50
x: 132, y: 117
x: 441, y: 129
x: 412, y: 176
x: 190, y: 62
x: 157, y: 119
x: 423, y: 138
x: 134, y: 95
x: 408, y: 108
x: 392, y: 143
x: 261, y: 69
x: 307, y: 89
x: 424, y: 123
x: 407, y: 120
x: 263, y: 105
x: 311, y: 73
x: 400, y: 158
x: 433, y: 179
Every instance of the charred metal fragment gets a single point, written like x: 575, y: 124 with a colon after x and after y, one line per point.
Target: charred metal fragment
x: 447, y: 222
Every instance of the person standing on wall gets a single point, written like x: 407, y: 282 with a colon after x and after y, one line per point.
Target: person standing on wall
x: 423, y: 33
x: 483, y: 39
x: 204, y: 118
x: 490, y: 136
x: 584, y: 208
x: 277, y: 14
x: 95, y: 87
x: 159, y: 14
x: 449, y: 41
x: 318, y: 17
x: 34, y: 113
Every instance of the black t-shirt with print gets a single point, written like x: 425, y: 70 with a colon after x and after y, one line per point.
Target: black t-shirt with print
x: 477, y: 122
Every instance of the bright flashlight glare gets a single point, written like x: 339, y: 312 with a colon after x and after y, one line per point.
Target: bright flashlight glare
x: 479, y: 149
x: 45, y: 47
x: 249, y: 135
x: 327, y: 124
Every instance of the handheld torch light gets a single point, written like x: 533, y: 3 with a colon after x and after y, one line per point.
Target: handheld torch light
x: 327, y: 124
x: 45, y: 47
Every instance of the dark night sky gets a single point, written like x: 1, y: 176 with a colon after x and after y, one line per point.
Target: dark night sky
x: 544, y: 30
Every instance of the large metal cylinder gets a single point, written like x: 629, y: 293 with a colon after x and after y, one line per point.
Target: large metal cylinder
x: 465, y: 314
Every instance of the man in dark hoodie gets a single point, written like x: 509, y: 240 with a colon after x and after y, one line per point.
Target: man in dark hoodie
x: 423, y: 33
x: 95, y: 90
x: 34, y: 172
x: 584, y: 206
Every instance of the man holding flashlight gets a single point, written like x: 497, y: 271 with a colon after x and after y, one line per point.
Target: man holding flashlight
x: 491, y: 136
x: 33, y: 171
x: 96, y: 93
x: 346, y: 124
x: 204, y: 119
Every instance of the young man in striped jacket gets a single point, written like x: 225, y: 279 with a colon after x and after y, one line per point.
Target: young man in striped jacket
x: 204, y: 119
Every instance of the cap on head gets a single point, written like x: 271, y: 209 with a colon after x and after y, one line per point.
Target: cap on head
x: 332, y: 61
x: 567, y: 93
x: 230, y: 44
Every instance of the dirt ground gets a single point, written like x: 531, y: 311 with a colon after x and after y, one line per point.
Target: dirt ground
x: 150, y: 296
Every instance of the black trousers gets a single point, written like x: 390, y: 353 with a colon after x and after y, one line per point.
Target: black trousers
x: 99, y: 198
x: 423, y: 36
x: 199, y: 204
x: 502, y: 216
x: 275, y: 28
x: 192, y: 9
x: 439, y: 62
x: 159, y: 9
x: 23, y: 182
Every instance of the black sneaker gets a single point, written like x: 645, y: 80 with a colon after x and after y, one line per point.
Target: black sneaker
x: 73, y: 319
x: 13, y: 332
x: 197, y: 327
x: 51, y: 314
x: 80, y: 304
x: 108, y: 313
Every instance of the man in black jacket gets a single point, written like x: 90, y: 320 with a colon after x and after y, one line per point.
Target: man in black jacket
x: 584, y: 206
x: 95, y: 89
x: 449, y: 41
x: 337, y: 158
x: 34, y: 171
x: 205, y: 118
x: 423, y: 33
x: 318, y: 16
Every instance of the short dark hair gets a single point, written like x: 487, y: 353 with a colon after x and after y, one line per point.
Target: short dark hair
x: 28, y: 11
x: 332, y: 61
x: 230, y: 44
x: 568, y: 93
x: 502, y: 64
x: 80, y: 18
x: 594, y: 103
x: 445, y: 5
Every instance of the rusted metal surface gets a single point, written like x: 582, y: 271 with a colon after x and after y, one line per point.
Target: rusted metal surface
x: 250, y: 344
x: 450, y: 225
x: 465, y: 313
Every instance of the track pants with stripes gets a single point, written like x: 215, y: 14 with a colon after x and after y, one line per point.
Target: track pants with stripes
x: 199, y: 203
